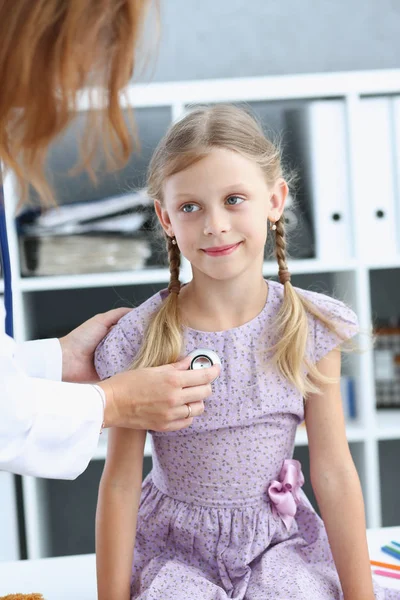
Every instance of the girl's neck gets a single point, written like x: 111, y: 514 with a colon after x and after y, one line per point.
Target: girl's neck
x: 212, y: 305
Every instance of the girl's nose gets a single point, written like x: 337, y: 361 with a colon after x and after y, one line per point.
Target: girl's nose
x: 216, y: 222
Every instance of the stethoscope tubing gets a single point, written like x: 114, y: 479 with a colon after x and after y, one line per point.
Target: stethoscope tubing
x: 6, y: 263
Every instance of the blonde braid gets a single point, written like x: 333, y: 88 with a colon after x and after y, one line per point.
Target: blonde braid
x: 162, y: 341
x: 174, y: 258
x: 292, y: 325
x: 280, y: 251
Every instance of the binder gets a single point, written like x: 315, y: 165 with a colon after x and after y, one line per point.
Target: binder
x: 321, y: 127
x: 376, y: 220
x: 396, y: 144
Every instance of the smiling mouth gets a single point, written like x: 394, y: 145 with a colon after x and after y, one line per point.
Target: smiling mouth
x: 221, y: 250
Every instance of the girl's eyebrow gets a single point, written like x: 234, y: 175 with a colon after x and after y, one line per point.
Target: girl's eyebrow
x: 184, y: 195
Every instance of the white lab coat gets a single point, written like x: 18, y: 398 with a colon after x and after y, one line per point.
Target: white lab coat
x: 47, y: 428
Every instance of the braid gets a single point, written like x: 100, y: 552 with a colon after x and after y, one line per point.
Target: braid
x: 162, y: 341
x: 280, y: 251
x: 174, y: 258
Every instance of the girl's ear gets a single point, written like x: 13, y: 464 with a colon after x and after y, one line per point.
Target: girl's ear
x: 278, y: 199
x: 163, y: 217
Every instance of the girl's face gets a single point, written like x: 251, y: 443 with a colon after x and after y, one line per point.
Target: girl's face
x: 218, y: 210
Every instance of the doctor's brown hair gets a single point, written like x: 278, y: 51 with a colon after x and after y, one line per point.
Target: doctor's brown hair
x: 50, y: 50
x: 188, y: 141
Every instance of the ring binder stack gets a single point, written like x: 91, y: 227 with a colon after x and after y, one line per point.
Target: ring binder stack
x: 319, y: 131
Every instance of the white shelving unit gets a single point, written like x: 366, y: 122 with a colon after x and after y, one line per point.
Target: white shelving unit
x: 350, y: 278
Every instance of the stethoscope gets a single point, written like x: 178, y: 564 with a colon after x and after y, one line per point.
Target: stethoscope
x: 202, y: 358
x: 6, y: 267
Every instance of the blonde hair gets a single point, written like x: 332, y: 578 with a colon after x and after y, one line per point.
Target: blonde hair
x: 188, y: 141
x: 50, y: 50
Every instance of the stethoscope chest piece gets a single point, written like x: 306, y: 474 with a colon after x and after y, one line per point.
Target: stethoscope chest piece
x: 203, y: 358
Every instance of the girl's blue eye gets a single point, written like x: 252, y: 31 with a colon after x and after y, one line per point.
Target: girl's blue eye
x: 188, y: 208
x: 234, y: 200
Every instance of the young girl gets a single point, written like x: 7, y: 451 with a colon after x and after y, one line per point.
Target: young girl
x: 222, y: 514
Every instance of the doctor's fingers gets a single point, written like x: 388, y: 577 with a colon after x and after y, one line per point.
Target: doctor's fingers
x: 199, y: 377
x: 183, y: 416
x: 179, y: 417
x: 189, y: 410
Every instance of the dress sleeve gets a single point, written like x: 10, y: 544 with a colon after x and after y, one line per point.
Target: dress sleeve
x: 117, y: 350
x: 343, y: 317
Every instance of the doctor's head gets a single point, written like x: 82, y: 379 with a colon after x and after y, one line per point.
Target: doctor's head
x: 50, y: 50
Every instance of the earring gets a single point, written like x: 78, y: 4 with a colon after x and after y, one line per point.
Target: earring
x: 273, y: 226
x: 173, y: 241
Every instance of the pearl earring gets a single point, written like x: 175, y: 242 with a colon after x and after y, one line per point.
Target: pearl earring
x: 273, y: 226
x: 173, y: 241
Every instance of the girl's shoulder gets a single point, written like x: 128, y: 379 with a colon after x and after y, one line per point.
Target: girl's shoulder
x: 326, y: 304
x: 329, y: 306
x: 117, y: 350
x: 340, y: 314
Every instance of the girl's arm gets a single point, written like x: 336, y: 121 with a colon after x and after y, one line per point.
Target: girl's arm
x: 117, y: 509
x: 336, y: 484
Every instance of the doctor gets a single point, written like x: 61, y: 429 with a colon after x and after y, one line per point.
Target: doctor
x: 51, y: 412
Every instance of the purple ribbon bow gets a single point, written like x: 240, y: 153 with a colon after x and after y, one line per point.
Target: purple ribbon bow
x: 285, y: 493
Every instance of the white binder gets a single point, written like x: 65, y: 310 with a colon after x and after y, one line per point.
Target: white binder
x: 330, y: 180
x: 396, y: 162
x: 323, y: 152
x: 376, y: 219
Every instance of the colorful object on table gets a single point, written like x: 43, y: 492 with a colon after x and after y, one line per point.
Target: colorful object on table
x: 376, y: 563
x: 391, y: 551
x: 22, y: 597
x: 386, y: 574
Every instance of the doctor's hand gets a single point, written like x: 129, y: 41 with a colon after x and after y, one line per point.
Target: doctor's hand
x: 78, y: 346
x: 156, y: 398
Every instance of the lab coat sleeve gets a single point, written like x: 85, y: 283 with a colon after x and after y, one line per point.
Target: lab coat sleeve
x: 47, y: 428
x: 41, y: 358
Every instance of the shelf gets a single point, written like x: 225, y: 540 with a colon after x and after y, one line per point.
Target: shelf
x: 309, y: 265
x: 37, y: 284
x: 275, y: 87
x: 388, y: 424
x: 301, y: 436
x: 392, y: 262
x: 159, y: 275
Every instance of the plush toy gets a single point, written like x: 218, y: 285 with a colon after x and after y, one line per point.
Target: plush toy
x: 22, y: 597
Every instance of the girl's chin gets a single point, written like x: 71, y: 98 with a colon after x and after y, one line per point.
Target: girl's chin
x: 220, y: 273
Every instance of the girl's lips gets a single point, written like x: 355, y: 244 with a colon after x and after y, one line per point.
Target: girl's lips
x: 221, y: 250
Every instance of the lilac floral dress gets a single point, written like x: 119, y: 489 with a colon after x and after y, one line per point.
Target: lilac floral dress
x: 222, y: 514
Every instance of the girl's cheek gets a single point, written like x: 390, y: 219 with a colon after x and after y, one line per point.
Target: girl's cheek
x: 187, y: 217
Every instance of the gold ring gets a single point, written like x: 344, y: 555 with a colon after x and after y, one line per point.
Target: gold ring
x: 189, y: 411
